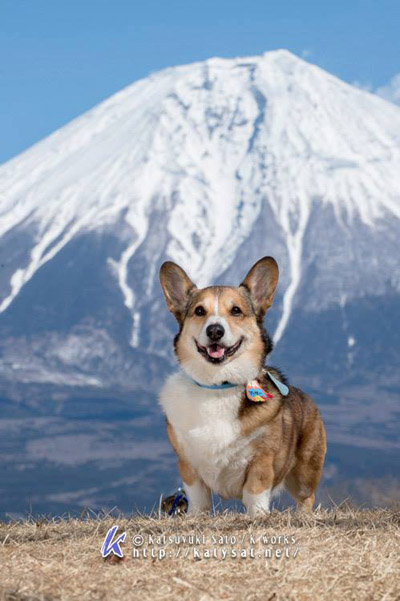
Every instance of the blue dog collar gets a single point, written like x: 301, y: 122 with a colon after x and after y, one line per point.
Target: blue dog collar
x: 283, y: 389
x: 222, y: 386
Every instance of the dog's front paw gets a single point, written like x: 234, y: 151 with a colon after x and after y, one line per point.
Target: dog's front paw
x: 253, y: 512
x: 199, y: 496
x: 256, y: 504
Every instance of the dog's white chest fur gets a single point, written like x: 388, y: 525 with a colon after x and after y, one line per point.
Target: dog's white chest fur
x: 207, y: 428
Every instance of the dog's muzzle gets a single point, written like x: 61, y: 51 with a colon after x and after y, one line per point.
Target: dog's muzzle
x: 216, y: 353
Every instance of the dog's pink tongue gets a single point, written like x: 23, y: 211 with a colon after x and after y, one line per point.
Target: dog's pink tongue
x: 215, y: 351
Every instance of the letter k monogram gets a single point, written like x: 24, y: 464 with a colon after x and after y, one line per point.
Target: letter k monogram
x: 109, y: 546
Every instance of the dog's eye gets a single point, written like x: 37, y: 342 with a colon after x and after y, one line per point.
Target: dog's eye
x: 236, y: 310
x: 200, y: 311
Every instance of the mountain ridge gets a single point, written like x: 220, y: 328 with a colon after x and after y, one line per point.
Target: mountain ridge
x: 211, y: 165
x: 215, y: 175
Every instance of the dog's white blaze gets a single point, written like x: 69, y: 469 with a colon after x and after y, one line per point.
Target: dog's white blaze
x: 257, y: 504
x: 207, y: 428
x: 216, y: 307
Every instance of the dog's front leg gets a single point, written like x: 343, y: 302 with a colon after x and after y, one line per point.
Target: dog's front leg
x: 258, y: 486
x: 198, y: 494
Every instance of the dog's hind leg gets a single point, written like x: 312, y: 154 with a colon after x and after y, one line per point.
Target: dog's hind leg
x: 303, y: 479
x: 302, y: 488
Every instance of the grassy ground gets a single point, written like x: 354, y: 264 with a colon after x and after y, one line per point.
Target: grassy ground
x: 342, y: 554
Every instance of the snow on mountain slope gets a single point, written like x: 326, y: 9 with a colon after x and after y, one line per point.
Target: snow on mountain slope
x: 213, y: 165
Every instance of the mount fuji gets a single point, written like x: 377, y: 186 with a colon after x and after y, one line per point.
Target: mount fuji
x: 211, y: 165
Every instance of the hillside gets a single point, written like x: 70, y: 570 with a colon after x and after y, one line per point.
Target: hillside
x: 343, y: 554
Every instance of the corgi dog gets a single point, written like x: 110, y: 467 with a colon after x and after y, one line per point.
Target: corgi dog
x: 236, y: 425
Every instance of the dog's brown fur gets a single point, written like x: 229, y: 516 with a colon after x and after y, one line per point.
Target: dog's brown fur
x: 293, y: 451
x: 293, y: 448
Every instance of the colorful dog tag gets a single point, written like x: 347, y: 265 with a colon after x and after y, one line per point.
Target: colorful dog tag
x: 257, y: 394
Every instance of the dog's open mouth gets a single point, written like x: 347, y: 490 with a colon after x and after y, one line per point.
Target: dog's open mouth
x: 216, y: 353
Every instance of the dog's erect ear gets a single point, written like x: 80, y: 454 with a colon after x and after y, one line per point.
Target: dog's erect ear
x: 176, y: 286
x: 261, y: 282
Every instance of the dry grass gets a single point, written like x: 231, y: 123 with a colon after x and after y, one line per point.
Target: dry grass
x: 343, y: 554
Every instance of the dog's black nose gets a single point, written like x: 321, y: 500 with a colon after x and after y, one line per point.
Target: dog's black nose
x: 215, y: 331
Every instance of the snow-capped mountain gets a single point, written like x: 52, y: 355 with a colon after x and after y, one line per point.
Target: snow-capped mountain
x: 211, y: 165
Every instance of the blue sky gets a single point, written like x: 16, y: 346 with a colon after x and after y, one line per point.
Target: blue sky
x: 58, y: 58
